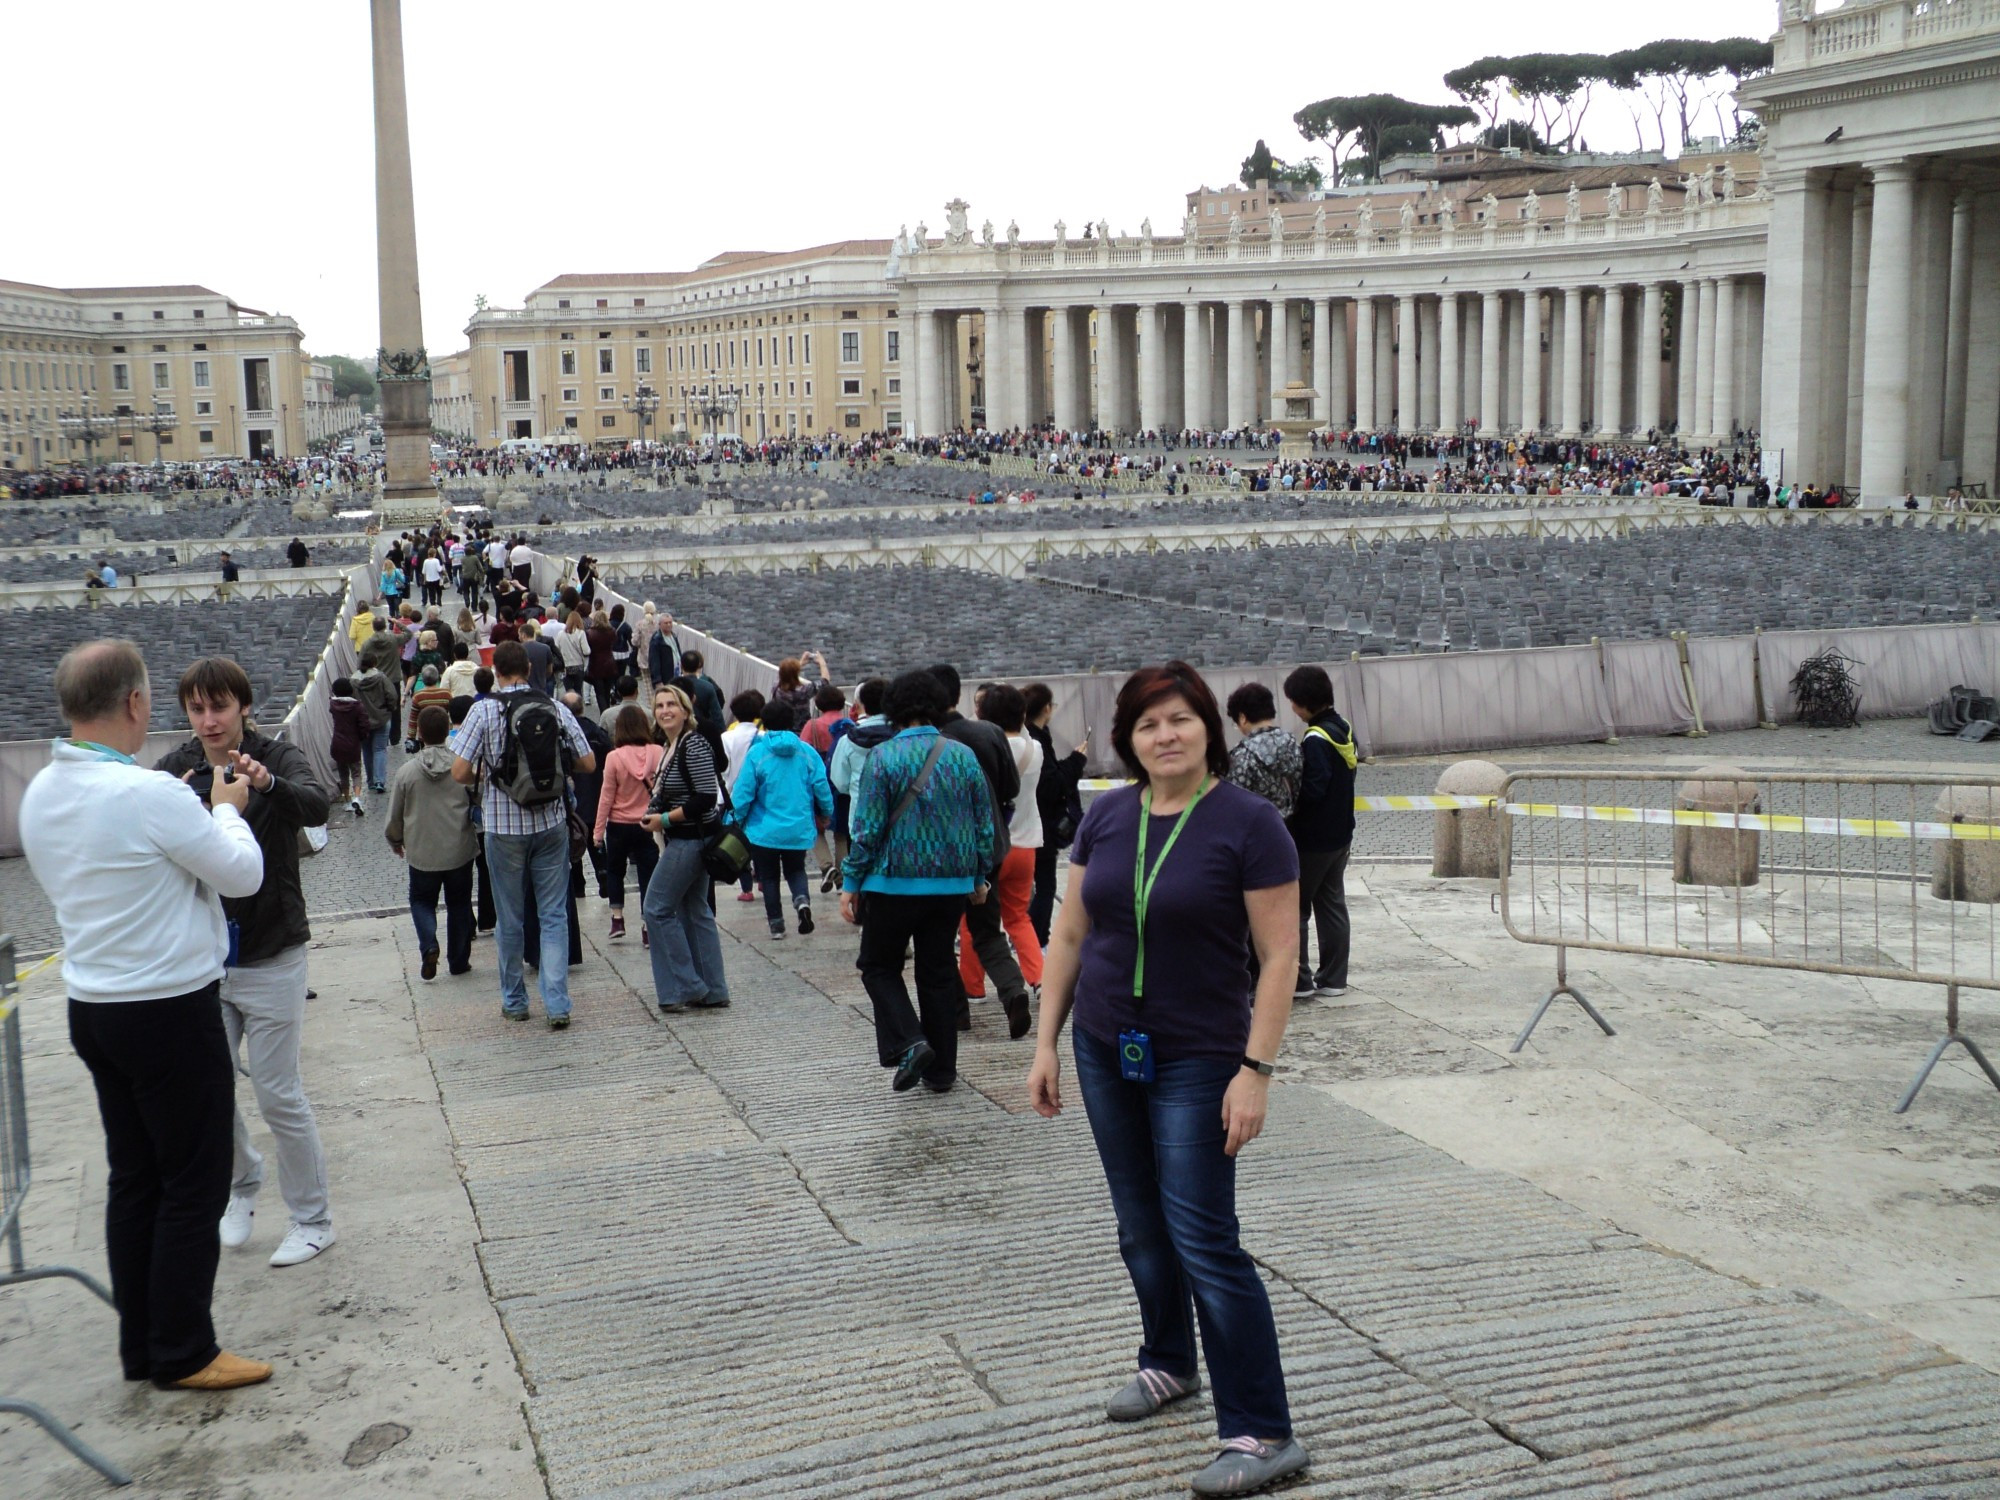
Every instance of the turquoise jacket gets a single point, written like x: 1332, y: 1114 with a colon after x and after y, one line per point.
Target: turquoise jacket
x: 781, y: 791
x: 941, y: 846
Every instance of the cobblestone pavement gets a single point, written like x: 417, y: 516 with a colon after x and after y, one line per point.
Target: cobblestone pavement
x: 863, y: 1293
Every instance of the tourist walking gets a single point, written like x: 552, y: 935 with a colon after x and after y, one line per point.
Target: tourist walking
x: 620, y: 833
x: 783, y: 801
x: 989, y: 745
x: 430, y: 828
x: 264, y: 991
x: 921, y: 848
x: 684, y: 811
x: 520, y: 746
x: 1171, y: 881
x: 102, y: 835
x: 1266, y: 759
x: 1056, y: 797
x: 377, y: 697
x: 1014, y: 884
x: 351, y: 730
x: 1322, y: 825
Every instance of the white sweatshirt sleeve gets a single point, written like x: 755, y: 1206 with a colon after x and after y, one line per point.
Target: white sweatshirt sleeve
x: 215, y: 847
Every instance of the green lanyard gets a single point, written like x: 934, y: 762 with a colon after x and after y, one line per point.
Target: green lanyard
x: 1142, y: 879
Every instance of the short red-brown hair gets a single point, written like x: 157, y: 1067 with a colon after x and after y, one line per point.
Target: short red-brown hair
x: 1149, y: 687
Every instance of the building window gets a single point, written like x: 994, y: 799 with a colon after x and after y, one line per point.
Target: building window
x: 118, y: 317
x: 199, y: 314
x: 809, y: 348
x: 642, y: 361
x: 791, y: 387
x: 206, y: 435
x: 850, y: 387
x: 562, y: 302
x: 201, y: 374
x: 569, y: 361
x: 204, y: 408
x: 809, y: 387
x: 638, y: 301
x: 607, y: 393
x: 569, y: 393
x: 159, y: 316
x: 514, y: 378
x: 121, y: 377
x: 603, y: 301
x: 851, y: 419
x: 162, y: 375
x: 894, y: 346
x: 569, y: 421
x: 606, y: 361
x: 850, y: 348
x: 608, y: 420
x: 895, y: 386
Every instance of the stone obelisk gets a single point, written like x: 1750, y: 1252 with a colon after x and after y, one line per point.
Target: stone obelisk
x: 402, y: 365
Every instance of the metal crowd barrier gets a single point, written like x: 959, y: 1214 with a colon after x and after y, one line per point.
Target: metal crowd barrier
x: 15, y: 1177
x: 1821, y: 873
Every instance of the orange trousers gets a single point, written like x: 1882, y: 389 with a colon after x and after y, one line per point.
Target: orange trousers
x: 1013, y: 888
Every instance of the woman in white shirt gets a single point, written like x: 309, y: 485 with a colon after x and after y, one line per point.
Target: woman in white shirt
x: 1014, y: 886
x: 745, y: 711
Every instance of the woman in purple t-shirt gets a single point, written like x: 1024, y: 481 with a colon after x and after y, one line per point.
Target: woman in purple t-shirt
x: 1172, y: 882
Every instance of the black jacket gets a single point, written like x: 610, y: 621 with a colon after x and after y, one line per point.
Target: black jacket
x: 275, y: 918
x: 996, y: 759
x: 1055, y: 793
x: 1323, y: 819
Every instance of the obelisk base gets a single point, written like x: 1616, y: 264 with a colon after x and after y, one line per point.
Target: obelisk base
x: 407, y: 491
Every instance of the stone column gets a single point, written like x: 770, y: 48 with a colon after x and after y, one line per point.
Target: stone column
x: 1406, y: 364
x: 1450, y: 381
x: 916, y: 376
x: 1885, y: 396
x: 1572, y: 408
x: 1285, y: 371
x: 1470, y: 339
x: 1860, y: 238
x: 941, y: 398
x: 1489, y: 365
x: 1242, y: 350
x: 995, y: 354
x: 1364, y: 364
x: 1385, y: 365
x: 1322, y: 376
x: 1014, y: 335
x: 1649, y: 358
x: 1064, y: 372
x: 1982, y: 375
x: 1195, y: 356
x: 1152, y: 365
x: 403, y: 365
x: 1930, y: 292
x: 1338, y: 393
x: 1110, y: 355
x: 1531, y: 361
x: 1704, y: 369
x: 1427, y: 365
x: 1722, y: 418
x: 1794, y: 297
x: 1834, y: 329
x: 1611, y: 364
x: 1687, y: 359
x: 1957, y: 329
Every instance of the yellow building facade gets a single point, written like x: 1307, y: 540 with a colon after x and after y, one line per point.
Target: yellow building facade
x: 179, y: 373
x: 749, y: 345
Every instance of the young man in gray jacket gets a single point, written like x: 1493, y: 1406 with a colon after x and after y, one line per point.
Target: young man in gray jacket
x: 430, y: 826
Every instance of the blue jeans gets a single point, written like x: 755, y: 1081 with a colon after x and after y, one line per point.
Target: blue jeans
x: 375, y: 757
x: 768, y: 863
x: 515, y: 860
x: 686, y: 947
x: 1175, y: 1196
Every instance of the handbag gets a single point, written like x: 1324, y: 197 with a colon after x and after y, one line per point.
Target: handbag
x: 910, y: 794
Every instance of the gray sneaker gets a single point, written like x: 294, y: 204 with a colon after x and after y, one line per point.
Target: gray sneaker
x: 1148, y: 1391
x: 1329, y: 992
x: 1245, y: 1465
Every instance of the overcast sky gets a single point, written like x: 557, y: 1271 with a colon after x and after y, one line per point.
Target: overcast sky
x: 230, y: 143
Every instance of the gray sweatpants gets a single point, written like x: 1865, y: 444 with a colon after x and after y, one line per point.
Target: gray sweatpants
x: 264, y: 1014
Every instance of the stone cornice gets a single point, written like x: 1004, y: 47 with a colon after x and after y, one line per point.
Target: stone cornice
x: 1923, y: 72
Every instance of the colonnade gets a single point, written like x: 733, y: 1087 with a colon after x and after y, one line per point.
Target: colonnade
x: 1590, y: 359
x: 1885, y: 325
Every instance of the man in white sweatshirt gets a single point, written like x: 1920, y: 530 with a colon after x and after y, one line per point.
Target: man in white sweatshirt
x: 135, y: 867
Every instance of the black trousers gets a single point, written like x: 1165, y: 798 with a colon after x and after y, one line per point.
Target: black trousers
x: 531, y: 937
x: 627, y: 843
x: 166, y: 1092
x: 1323, y: 905
x: 456, y: 887
x: 489, y: 914
x: 1042, y: 905
x: 889, y: 926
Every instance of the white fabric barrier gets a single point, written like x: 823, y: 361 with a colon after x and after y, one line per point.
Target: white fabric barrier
x: 1725, y: 682
x: 1484, y: 700
x: 1900, y: 669
x: 21, y: 760
x: 309, y: 723
x: 1647, y: 692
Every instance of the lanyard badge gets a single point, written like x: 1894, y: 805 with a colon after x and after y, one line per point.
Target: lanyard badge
x: 1142, y: 881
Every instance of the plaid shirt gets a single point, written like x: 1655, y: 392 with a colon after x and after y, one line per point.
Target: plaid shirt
x: 479, y: 741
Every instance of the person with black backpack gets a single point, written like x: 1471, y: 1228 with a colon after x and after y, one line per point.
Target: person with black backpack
x: 522, y: 746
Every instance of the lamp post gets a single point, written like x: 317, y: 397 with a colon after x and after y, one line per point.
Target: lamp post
x: 159, y: 422
x: 717, y: 403
x: 642, y: 403
x: 86, y: 427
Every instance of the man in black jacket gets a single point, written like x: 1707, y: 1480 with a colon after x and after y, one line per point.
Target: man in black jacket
x: 1322, y: 824
x: 1003, y: 778
x: 264, y: 990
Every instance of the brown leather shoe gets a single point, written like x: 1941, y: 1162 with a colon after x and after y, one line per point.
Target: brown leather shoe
x: 224, y: 1373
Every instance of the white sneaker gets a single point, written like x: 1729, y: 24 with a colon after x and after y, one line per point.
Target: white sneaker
x: 236, y: 1221
x: 301, y: 1243
x: 1330, y: 991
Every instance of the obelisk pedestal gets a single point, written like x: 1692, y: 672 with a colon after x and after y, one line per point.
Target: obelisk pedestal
x: 402, y: 366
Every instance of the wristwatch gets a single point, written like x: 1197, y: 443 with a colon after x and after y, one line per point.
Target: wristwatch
x: 1267, y: 1069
